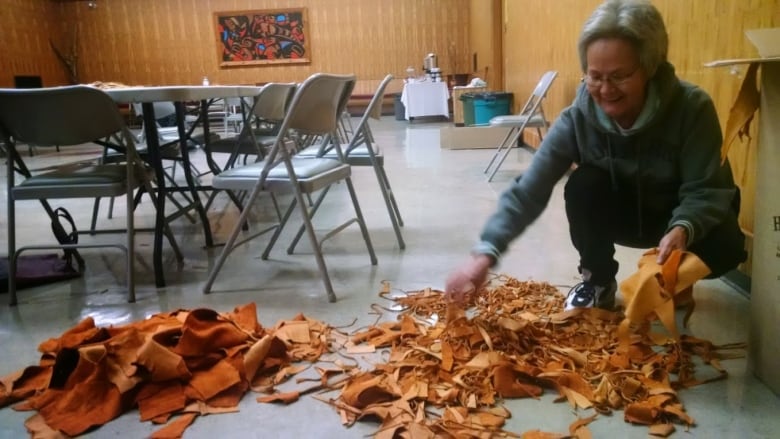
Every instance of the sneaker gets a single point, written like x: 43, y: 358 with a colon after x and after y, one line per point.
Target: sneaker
x: 588, y: 295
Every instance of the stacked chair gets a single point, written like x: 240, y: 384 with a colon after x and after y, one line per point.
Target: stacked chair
x: 361, y: 150
x: 268, y: 109
x: 314, y: 110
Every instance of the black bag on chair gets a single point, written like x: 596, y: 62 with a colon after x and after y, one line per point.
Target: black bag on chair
x: 63, y: 237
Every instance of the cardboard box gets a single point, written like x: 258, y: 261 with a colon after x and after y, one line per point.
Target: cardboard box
x: 764, y: 343
x: 472, y: 137
x: 457, y: 104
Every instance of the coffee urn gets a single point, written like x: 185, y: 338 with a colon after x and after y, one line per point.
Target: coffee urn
x: 430, y: 62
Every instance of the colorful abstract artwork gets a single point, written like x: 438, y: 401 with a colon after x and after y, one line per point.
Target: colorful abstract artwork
x: 262, y: 37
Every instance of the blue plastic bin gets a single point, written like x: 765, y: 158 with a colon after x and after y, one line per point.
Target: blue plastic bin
x: 479, y: 108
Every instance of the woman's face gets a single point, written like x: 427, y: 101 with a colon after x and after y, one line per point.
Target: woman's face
x: 615, y: 80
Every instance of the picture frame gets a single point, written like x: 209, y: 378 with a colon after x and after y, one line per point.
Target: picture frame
x: 262, y: 37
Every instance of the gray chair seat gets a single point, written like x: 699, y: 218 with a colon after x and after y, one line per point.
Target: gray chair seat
x: 89, y: 181
x: 242, y: 145
x: 358, y: 156
x: 516, y: 120
x: 312, y: 174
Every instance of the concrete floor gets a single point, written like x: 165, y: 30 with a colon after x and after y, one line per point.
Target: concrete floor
x: 444, y: 199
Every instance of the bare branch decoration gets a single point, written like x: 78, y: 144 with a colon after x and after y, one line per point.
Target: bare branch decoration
x: 70, y: 59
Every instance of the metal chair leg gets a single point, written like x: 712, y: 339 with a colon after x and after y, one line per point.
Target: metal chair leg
x: 498, y: 149
x: 505, y: 153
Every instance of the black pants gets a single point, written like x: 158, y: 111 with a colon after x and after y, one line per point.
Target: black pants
x: 601, y: 216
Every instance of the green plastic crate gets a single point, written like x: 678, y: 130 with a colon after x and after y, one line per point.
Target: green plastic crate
x: 479, y: 108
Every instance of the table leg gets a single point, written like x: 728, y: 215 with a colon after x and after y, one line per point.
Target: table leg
x: 204, y: 117
x: 153, y: 149
x: 185, y: 155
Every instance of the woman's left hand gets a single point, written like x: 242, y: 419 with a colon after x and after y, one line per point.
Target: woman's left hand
x: 675, y: 239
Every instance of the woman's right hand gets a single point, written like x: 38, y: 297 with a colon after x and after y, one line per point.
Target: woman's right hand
x: 467, y: 278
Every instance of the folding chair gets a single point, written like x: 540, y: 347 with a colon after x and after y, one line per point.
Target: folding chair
x: 314, y: 110
x: 361, y: 151
x: 234, y: 115
x: 530, y: 116
x: 67, y: 116
x: 268, y: 107
x: 163, y: 111
x: 345, y: 129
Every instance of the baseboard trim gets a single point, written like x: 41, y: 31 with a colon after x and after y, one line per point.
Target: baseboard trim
x: 739, y: 281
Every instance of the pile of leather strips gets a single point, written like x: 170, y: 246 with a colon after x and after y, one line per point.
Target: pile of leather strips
x: 441, y: 373
x: 182, y: 364
x: 446, y: 374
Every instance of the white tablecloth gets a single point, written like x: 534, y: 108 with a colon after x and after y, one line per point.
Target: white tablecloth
x: 425, y: 99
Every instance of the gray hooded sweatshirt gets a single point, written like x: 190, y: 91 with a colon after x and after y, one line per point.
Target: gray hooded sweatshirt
x: 671, y: 155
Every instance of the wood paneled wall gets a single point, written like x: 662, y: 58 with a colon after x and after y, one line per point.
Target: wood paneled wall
x: 26, y: 26
x: 542, y: 35
x: 486, y: 42
x: 174, y: 41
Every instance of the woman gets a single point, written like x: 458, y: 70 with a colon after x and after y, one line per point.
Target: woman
x: 647, y: 150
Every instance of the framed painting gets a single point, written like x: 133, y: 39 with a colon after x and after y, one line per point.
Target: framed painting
x: 269, y: 36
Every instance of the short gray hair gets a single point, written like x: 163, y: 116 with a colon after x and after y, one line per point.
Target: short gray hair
x: 636, y: 21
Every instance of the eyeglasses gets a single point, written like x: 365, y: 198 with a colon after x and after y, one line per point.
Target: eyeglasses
x: 615, y: 80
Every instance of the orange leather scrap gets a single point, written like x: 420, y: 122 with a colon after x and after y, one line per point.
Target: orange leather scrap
x: 87, y: 392
x: 22, y: 384
x: 254, y: 357
x: 383, y: 335
x: 742, y: 111
x: 537, y: 434
x: 203, y: 408
x: 205, y: 331
x: 579, y: 428
x: 210, y: 382
x: 398, y: 420
x: 118, y: 356
x: 510, y: 383
x: 293, y: 332
x: 286, y: 398
x: 366, y: 390
x: 447, y: 359
x: 38, y: 429
x: 175, y: 365
x: 661, y: 430
x: 652, y: 288
x: 160, y: 399
x: 656, y: 410
x: 84, y: 332
x: 159, y: 361
x: 175, y: 429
